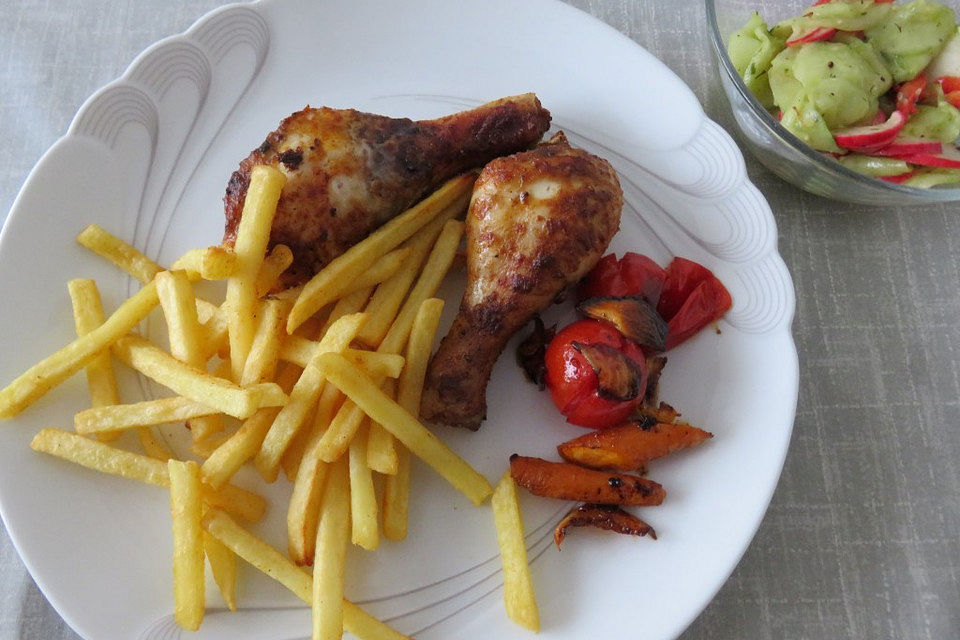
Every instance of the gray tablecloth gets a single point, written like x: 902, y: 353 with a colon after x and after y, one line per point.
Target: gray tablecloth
x: 862, y: 539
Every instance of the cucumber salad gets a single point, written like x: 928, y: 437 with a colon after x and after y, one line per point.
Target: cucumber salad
x: 874, y: 83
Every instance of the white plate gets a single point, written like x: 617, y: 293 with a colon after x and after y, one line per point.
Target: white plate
x: 148, y: 157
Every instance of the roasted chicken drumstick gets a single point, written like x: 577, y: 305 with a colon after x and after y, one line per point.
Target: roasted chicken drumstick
x: 538, y: 222
x: 349, y: 172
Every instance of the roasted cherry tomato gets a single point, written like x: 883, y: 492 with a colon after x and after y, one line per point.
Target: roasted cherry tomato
x: 574, y: 384
x: 683, y: 276
x: 631, y: 275
x: 692, y: 298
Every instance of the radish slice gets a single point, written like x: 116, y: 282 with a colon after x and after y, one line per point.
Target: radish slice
x: 900, y: 179
x: 870, y: 138
x: 818, y: 34
x: 903, y: 147
x: 948, y: 158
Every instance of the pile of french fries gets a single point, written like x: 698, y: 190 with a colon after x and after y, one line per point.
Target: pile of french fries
x: 322, y: 382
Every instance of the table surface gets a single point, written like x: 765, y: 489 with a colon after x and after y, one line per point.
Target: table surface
x: 862, y: 539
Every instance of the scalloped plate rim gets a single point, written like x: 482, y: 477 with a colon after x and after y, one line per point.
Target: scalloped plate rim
x: 784, y: 327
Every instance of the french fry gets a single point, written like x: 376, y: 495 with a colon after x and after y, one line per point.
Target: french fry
x: 396, y: 488
x: 214, y: 321
x: 518, y: 593
x: 101, y: 457
x: 243, y: 445
x: 381, y: 451
x: 303, y: 398
x: 180, y: 311
x: 381, y: 270
x: 274, y: 264
x: 290, y: 293
x: 242, y: 503
x: 347, y: 421
x: 329, y: 570
x: 407, y: 429
x: 108, y: 246
x: 56, y: 368
x: 205, y: 447
x: 188, y: 381
x: 128, y: 416
x: 133, y: 466
x: 270, y: 394
x: 87, y: 316
x: 290, y: 460
x: 363, y: 497
x: 332, y: 280
x: 186, y: 338
x: 350, y: 303
x: 434, y: 271
x: 205, y: 428
x: 336, y: 440
x: 274, y: 564
x: 299, y: 351
x: 389, y: 296
x: 188, y: 570
x: 304, y: 508
x: 314, y: 326
x: 211, y: 263
x: 265, y: 349
x: 223, y: 566
x: 253, y: 234
x: 346, y: 305
x: 152, y: 446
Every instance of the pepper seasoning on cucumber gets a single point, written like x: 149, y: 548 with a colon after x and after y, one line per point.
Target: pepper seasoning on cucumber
x: 874, y: 83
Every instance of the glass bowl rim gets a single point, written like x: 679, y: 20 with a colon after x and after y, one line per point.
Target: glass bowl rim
x: 945, y: 194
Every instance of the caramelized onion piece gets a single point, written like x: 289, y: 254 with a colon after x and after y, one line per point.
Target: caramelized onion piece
x: 655, y: 367
x: 602, y: 516
x: 632, y: 316
x: 618, y: 377
x: 662, y: 413
x: 531, y: 351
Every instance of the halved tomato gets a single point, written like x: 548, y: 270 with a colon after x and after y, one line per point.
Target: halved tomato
x: 575, y: 372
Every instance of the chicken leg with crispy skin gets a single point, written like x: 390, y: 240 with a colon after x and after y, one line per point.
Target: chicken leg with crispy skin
x: 538, y: 222
x: 349, y: 172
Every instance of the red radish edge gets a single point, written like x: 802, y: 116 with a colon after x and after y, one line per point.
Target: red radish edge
x: 900, y: 179
x: 870, y: 138
x: 910, y: 147
x: 818, y: 34
x: 949, y: 158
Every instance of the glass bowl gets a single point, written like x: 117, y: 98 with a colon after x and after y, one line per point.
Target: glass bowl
x: 778, y: 149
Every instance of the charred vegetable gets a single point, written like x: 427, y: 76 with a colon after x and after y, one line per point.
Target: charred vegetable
x: 618, y: 377
x: 602, y: 516
x: 571, y: 482
x: 632, y: 316
x: 655, y: 367
x: 629, y: 446
x: 663, y: 413
x: 574, y: 381
x: 531, y: 351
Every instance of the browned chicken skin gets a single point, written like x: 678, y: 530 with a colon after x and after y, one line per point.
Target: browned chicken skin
x: 349, y: 172
x: 538, y: 222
